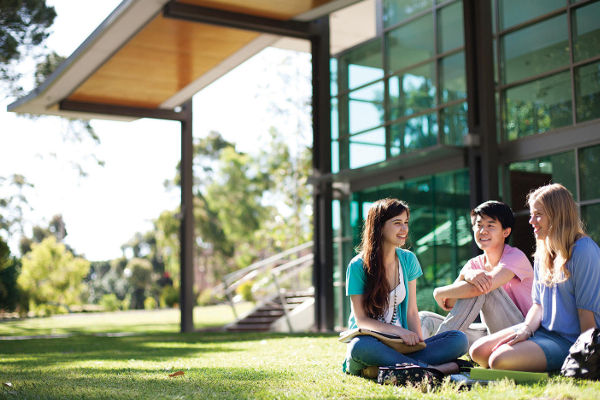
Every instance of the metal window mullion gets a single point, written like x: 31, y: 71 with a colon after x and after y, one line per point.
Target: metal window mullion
x: 577, y: 177
x: 437, y: 77
x: 571, y: 61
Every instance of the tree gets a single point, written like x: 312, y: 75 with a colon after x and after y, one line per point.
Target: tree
x: 9, y: 270
x: 52, y: 277
x: 14, y: 203
x: 24, y: 25
x: 139, y: 275
x: 56, y: 227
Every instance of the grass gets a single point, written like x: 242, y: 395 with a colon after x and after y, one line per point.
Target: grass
x: 216, y: 365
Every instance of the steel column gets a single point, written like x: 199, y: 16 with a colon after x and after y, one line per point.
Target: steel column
x: 481, y: 120
x: 186, y: 255
x: 323, y: 231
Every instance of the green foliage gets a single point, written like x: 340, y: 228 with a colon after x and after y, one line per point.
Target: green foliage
x: 169, y: 296
x: 9, y: 270
x: 52, y: 276
x: 110, y: 302
x: 245, y: 290
x: 139, y: 276
x: 150, y: 303
x: 13, y: 203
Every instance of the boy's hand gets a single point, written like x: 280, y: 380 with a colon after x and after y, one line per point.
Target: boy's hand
x: 480, y: 279
x: 445, y: 303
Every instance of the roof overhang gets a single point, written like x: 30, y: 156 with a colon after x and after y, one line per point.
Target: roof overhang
x: 146, y: 61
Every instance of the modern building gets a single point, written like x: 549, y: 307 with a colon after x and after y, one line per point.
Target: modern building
x: 455, y: 102
x: 441, y: 103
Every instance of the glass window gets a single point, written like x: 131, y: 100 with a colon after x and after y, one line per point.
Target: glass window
x: 335, y: 156
x: 334, y: 118
x: 586, y: 31
x: 395, y: 11
x: 333, y: 78
x: 366, y: 107
x: 557, y: 168
x: 453, y: 122
x: 513, y: 12
x: 363, y: 63
x: 535, y: 49
x: 538, y: 106
x: 367, y: 148
x: 453, y: 85
x: 410, y: 43
x: 415, y: 133
x: 450, y: 27
x: 589, y: 168
x: 591, y: 221
x: 412, y: 92
x: 587, y: 90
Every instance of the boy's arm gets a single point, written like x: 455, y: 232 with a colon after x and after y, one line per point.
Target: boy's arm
x: 447, y: 295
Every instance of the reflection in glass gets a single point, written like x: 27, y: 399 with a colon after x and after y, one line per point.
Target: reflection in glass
x: 410, y: 43
x: 412, y: 91
x: 453, y: 122
x: 395, y: 11
x: 333, y: 78
x: 366, y: 107
x: 367, y: 148
x: 559, y: 168
x: 335, y: 156
x: 415, y: 133
x: 586, y: 31
x: 538, y: 106
x: 589, y: 167
x: 591, y: 221
x: 587, y: 90
x: 513, y: 12
x: 450, y: 27
x: 334, y: 118
x: 362, y: 64
x: 453, y: 85
x: 535, y: 49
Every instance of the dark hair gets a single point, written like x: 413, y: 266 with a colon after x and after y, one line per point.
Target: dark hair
x: 497, y: 210
x: 377, y: 287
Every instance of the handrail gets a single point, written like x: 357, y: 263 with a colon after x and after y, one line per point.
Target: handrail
x: 278, y: 267
x: 245, y: 274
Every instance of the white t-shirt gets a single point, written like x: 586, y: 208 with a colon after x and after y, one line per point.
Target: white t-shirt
x: 396, y: 297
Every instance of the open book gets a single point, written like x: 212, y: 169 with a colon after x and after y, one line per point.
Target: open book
x: 390, y: 340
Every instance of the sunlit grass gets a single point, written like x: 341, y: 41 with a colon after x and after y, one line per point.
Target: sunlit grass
x: 121, y: 321
x: 216, y: 365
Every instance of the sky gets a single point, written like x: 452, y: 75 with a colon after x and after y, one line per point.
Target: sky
x: 106, y: 208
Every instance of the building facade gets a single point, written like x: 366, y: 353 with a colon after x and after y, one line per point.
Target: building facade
x: 456, y: 102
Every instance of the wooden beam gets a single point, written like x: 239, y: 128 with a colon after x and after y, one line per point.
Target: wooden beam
x: 124, y: 111
x: 290, y: 28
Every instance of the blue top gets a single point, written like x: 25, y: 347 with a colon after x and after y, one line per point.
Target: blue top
x: 581, y: 291
x: 356, y: 280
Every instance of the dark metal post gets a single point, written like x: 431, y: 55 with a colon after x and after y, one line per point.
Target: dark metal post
x: 186, y: 256
x: 323, y: 231
x: 483, y: 152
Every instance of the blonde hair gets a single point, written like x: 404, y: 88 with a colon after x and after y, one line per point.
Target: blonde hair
x: 564, y: 228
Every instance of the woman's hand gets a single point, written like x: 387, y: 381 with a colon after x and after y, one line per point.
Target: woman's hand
x: 520, y: 334
x: 409, y: 337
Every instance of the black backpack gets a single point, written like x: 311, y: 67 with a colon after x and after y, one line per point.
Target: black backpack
x: 583, y: 361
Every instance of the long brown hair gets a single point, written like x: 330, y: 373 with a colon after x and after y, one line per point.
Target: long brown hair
x: 564, y: 228
x: 377, y: 287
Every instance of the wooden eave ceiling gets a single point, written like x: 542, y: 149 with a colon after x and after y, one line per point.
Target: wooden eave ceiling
x: 141, y: 59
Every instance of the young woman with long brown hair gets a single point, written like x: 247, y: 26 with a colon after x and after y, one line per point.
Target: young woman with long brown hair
x: 381, y: 283
x: 565, y: 290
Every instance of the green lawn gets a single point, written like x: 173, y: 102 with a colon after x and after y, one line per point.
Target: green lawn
x: 216, y: 365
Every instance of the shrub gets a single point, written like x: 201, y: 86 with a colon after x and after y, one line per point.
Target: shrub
x: 150, y: 303
x: 110, y: 302
x: 245, y: 290
x: 169, y: 296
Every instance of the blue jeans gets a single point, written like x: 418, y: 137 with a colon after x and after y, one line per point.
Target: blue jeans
x: 364, y: 351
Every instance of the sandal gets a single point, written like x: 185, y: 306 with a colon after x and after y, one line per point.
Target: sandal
x: 463, y: 365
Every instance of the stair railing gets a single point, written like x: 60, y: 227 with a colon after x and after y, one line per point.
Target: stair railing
x: 279, y: 267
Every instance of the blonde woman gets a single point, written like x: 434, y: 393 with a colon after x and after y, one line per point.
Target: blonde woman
x: 565, y: 293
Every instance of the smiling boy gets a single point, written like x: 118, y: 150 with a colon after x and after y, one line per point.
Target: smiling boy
x: 496, y: 284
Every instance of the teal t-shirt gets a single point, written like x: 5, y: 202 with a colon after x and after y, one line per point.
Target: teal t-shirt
x: 356, y: 279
